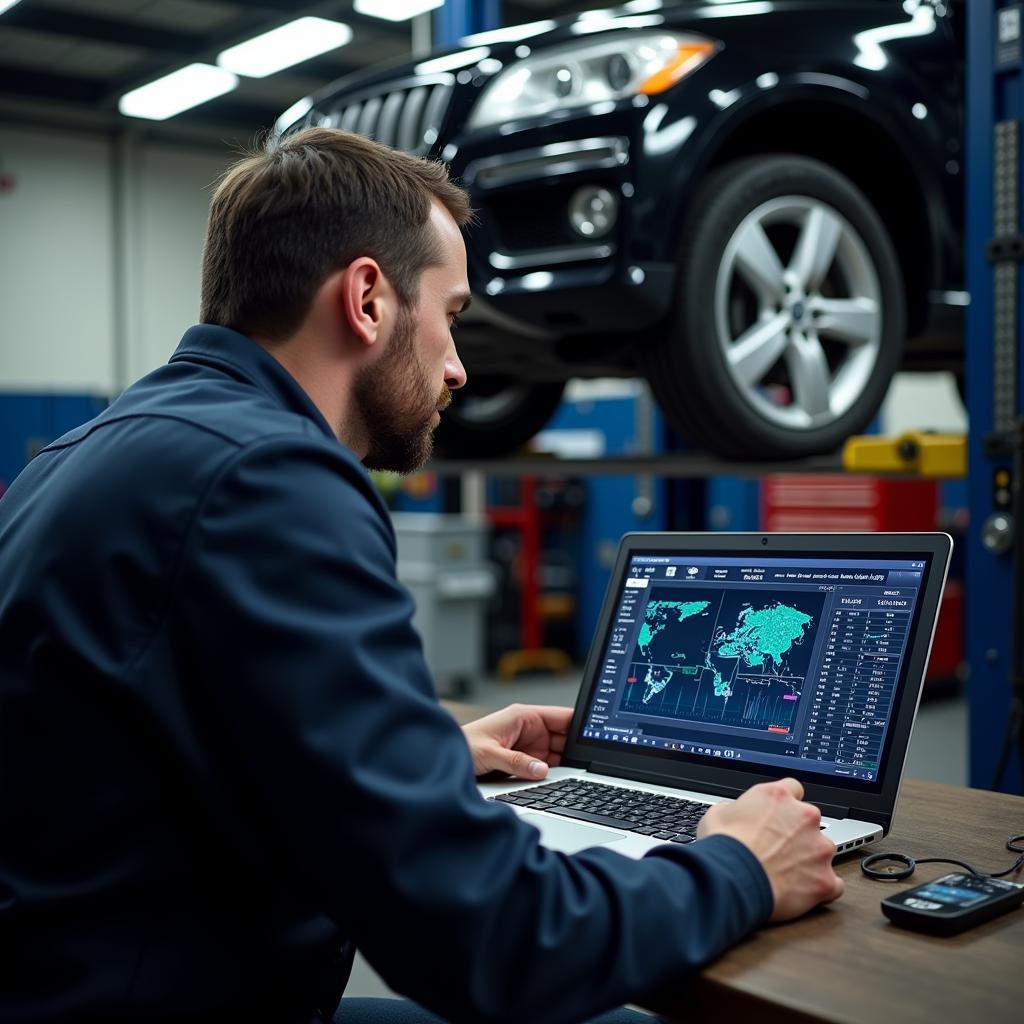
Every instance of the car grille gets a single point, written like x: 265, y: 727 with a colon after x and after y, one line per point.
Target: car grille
x: 408, y: 117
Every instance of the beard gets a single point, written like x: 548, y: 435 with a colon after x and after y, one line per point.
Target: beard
x: 396, y: 403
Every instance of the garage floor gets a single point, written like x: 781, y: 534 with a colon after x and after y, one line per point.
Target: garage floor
x: 938, y: 752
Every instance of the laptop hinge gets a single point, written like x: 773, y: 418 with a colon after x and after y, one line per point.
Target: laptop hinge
x: 657, y: 779
x: 831, y: 810
x: 885, y: 820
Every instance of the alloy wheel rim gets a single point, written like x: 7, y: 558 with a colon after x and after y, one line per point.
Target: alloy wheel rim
x: 798, y: 312
x: 489, y: 408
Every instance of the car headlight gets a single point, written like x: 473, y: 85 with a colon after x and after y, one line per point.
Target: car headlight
x: 620, y: 65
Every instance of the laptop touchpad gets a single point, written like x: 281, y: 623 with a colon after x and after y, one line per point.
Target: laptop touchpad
x: 567, y: 836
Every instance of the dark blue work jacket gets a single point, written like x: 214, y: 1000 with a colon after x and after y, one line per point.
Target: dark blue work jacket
x: 222, y: 762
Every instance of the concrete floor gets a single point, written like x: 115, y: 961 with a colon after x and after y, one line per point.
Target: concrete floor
x: 938, y: 752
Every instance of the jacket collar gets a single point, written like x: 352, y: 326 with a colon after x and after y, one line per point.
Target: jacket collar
x: 242, y: 358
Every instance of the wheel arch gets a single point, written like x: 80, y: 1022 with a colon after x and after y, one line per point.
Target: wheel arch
x: 843, y: 135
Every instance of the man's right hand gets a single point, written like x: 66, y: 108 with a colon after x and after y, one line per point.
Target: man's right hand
x: 782, y: 832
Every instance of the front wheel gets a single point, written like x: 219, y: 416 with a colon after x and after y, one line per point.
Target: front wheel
x: 495, y: 416
x: 790, y: 312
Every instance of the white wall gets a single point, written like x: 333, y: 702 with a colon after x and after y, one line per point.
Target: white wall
x: 100, y: 254
x: 173, y: 193
x: 56, y: 263
x: 923, y: 401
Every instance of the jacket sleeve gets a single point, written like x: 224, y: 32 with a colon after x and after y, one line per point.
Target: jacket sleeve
x: 315, y: 679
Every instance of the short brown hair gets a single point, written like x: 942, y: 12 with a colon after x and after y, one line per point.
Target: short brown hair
x: 286, y: 217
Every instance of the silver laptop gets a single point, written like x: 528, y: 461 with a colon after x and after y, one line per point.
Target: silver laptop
x: 724, y: 660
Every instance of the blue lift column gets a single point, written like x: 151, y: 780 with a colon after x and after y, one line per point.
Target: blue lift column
x: 458, y: 18
x: 995, y: 552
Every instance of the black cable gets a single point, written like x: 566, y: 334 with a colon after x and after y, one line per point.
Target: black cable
x: 897, y: 874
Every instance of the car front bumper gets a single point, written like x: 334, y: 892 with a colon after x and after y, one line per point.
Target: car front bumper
x: 538, y: 273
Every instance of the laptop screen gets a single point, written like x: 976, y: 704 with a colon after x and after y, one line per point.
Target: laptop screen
x: 785, y: 663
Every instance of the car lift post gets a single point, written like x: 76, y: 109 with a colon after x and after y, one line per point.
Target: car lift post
x: 995, y: 552
x: 458, y: 18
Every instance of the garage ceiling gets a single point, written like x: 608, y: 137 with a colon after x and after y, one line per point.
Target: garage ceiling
x: 68, y: 61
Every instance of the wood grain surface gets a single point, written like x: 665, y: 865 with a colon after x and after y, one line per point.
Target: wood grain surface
x: 846, y: 964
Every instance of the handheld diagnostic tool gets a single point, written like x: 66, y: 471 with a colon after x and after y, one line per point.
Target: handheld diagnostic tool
x: 952, y: 903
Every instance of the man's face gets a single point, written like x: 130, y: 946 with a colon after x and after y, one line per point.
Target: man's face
x: 400, y: 394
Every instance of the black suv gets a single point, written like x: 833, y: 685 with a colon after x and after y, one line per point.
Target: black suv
x: 752, y: 203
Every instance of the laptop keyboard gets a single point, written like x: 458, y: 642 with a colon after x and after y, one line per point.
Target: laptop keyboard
x: 669, y: 818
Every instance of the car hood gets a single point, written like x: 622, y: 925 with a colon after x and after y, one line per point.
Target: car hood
x: 501, y: 44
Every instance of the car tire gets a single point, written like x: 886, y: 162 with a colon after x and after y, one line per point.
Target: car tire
x: 790, y: 312
x: 493, y: 416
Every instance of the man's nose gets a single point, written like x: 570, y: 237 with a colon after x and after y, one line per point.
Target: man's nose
x: 454, y: 371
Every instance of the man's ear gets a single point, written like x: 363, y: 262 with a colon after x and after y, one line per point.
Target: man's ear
x: 363, y: 296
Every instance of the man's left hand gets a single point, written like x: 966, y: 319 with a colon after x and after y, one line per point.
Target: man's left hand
x: 523, y: 740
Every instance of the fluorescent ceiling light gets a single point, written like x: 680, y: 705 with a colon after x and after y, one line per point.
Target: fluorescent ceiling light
x: 6, y: 5
x: 282, y: 47
x: 395, y: 10
x: 176, y: 92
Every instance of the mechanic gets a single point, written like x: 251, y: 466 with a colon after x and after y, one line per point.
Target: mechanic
x: 223, y: 766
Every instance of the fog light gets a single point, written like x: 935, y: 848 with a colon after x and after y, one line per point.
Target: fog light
x: 593, y: 211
